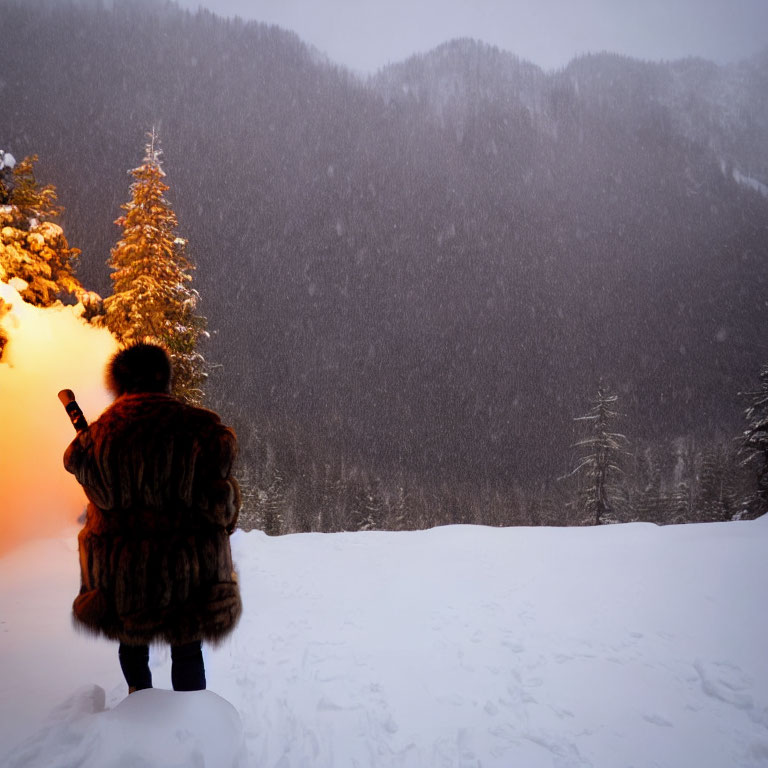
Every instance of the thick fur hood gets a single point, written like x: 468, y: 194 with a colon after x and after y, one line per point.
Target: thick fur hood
x: 139, y: 367
x: 155, y: 559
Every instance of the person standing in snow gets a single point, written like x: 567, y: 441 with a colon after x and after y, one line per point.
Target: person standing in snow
x: 155, y: 558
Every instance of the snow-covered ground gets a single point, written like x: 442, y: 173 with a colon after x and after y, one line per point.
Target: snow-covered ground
x: 463, y: 646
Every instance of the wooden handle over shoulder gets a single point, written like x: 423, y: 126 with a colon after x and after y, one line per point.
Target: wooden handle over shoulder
x: 66, y: 396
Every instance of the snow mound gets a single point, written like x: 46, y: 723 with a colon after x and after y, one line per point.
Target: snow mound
x: 149, y: 729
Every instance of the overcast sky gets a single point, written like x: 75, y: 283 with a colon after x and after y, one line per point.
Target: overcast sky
x: 367, y: 34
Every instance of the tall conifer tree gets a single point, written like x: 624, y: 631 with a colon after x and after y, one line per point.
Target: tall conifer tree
x: 152, y: 298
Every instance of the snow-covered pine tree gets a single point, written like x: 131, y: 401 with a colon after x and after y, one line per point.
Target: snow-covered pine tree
x: 373, y: 506
x: 399, y: 516
x: 325, y: 510
x: 249, y: 517
x: 32, y: 247
x: 754, y: 443
x: 717, y: 497
x: 648, y: 494
x: 33, y: 201
x: 338, y: 495
x: 357, y: 511
x: 681, y: 504
x: 599, y: 465
x: 274, y: 502
x: 152, y: 298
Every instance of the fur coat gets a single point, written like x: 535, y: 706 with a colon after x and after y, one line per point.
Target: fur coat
x: 155, y: 560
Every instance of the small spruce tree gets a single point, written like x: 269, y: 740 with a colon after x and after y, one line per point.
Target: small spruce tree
x: 274, y: 502
x: 152, y: 298
x: 754, y: 442
x: 399, y: 517
x: 717, y: 487
x: 373, y: 506
x: 599, y: 463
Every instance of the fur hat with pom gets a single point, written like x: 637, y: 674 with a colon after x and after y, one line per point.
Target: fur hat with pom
x: 140, y: 367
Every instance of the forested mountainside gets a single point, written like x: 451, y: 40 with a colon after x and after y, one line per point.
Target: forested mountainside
x: 723, y: 109
x: 433, y: 269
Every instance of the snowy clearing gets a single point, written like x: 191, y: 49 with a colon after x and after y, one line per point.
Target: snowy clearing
x: 462, y: 646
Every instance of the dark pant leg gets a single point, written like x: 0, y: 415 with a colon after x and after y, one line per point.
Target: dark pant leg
x: 187, y: 667
x: 134, y: 661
